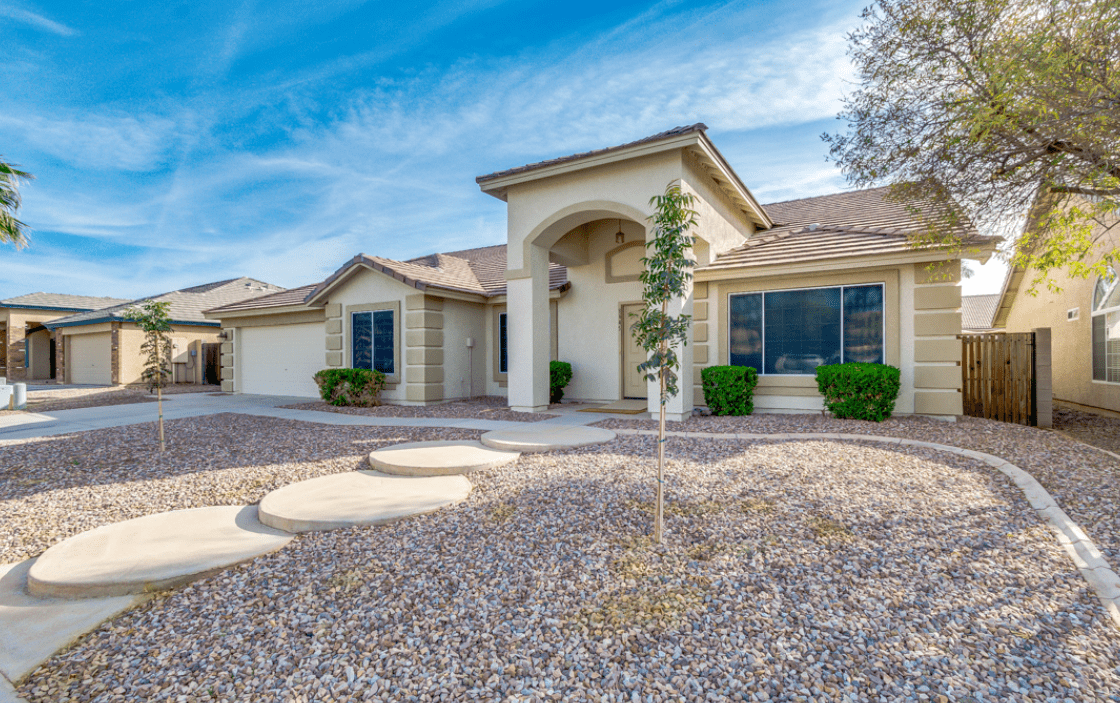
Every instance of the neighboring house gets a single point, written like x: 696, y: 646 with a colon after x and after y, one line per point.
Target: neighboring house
x: 977, y: 312
x: 1084, y: 321
x: 28, y: 347
x: 781, y: 287
x: 102, y: 347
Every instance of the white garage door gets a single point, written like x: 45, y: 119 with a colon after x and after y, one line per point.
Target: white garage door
x: 281, y: 360
x: 89, y: 359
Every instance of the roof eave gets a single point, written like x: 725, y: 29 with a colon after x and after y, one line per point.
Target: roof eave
x: 778, y: 268
x: 219, y: 314
x: 52, y: 308
x: 721, y: 172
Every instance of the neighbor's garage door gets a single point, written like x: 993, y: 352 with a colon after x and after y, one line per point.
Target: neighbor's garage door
x: 281, y: 360
x: 89, y: 359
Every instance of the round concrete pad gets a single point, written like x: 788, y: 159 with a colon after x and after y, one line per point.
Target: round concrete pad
x: 438, y: 458
x: 541, y: 438
x: 152, y: 552
x: 358, y: 498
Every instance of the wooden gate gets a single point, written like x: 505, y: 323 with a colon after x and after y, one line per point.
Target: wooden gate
x: 998, y: 377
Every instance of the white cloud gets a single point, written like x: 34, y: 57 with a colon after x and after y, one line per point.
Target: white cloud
x: 37, y: 21
x: 97, y: 140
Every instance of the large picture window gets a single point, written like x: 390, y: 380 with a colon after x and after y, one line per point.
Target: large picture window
x: 503, y: 345
x: 372, y: 340
x: 1106, y: 328
x: 792, y: 332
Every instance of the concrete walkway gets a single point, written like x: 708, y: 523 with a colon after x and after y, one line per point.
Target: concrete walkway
x: 443, y: 458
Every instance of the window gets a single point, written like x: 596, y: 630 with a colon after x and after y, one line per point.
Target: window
x: 1106, y: 328
x: 372, y: 341
x: 503, y: 348
x: 793, y: 332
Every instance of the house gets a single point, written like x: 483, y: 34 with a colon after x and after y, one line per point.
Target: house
x: 782, y: 287
x: 1083, y: 315
x: 28, y: 347
x: 101, y: 347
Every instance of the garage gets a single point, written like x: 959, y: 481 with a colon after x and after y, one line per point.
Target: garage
x: 89, y: 359
x: 281, y: 359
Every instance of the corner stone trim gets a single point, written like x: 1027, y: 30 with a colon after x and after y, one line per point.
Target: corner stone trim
x: 1081, y: 550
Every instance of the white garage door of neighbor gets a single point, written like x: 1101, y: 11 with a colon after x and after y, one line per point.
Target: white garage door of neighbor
x: 281, y: 360
x: 90, y: 359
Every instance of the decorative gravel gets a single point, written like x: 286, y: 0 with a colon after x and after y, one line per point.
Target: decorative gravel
x: 55, y: 487
x: 492, y: 407
x: 64, y: 398
x: 1084, y: 481
x: 792, y: 571
x: 1097, y: 430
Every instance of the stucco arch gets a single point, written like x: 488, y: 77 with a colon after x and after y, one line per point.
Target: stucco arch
x: 552, y: 228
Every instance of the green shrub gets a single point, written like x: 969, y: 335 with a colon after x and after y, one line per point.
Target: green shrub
x: 361, y: 387
x: 729, y: 390
x: 559, y: 376
x: 859, y: 391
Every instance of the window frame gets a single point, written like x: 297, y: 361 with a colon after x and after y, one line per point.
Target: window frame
x: 1093, y: 315
x: 762, y: 321
x: 348, y: 331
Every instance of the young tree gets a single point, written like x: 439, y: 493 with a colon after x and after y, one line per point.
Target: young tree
x: 993, y: 110
x: 152, y: 317
x: 12, y: 231
x: 668, y: 271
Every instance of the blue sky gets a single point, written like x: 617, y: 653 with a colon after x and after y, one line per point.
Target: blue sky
x: 180, y: 142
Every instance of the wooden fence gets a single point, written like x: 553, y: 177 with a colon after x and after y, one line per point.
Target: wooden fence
x: 998, y: 376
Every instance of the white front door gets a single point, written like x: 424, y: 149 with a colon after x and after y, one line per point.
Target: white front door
x: 633, y: 380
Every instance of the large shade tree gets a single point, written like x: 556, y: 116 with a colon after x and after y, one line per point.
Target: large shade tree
x: 12, y: 231
x: 1002, y: 112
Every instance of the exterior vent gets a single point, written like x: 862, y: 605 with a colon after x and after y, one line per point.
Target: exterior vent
x: 1073, y: 314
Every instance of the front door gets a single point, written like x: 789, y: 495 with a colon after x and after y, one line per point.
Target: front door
x: 633, y: 381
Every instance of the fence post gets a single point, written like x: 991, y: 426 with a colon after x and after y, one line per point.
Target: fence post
x: 1043, y: 378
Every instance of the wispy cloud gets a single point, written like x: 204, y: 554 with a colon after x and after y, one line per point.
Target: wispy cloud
x: 98, y: 140
x: 37, y: 21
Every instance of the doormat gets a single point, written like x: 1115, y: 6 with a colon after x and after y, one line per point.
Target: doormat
x: 620, y: 407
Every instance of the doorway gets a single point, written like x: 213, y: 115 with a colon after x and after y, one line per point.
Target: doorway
x: 633, y: 381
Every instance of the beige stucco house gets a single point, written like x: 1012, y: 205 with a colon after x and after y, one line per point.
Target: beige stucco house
x: 783, y: 287
x: 1083, y: 315
x: 28, y: 346
x: 101, y: 347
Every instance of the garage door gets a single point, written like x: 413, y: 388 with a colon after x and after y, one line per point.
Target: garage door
x: 281, y: 360
x: 89, y: 359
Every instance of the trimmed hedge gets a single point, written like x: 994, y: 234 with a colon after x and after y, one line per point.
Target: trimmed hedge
x: 360, y: 387
x: 859, y: 391
x: 729, y: 390
x: 559, y: 376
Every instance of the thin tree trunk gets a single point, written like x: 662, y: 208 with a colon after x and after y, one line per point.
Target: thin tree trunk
x: 159, y: 393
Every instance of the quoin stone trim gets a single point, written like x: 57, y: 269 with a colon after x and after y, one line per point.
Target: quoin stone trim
x: 424, y: 343
x: 229, y: 368
x: 937, y: 349
x: 334, y: 357
x: 702, y: 357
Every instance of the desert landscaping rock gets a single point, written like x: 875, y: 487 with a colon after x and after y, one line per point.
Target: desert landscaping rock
x: 546, y: 438
x: 358, y: 498
x: 152, y: 553
x: 801, y: 570
x: 34, y: 628
x: 482, y: 408
x: 438, y: 458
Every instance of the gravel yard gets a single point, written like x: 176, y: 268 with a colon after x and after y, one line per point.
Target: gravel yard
x: 1097, y: 430
x: 1084, y: 481
x: 55, y: 487
x: 484, y: 407
x: 63, y: 398
x: 804, y: 570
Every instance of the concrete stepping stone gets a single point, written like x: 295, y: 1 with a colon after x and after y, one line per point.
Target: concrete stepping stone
x: 438, y: 458
x: 32, y: 629
x: 152, y: 552
x: 541, y: 437
x: 358, y: 498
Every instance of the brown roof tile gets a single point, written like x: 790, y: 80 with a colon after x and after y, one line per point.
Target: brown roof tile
x: 60, y: 301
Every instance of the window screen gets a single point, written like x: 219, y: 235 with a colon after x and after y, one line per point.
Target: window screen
x: 863, y: 324
x: 503, y: 348
x: 372, y: 341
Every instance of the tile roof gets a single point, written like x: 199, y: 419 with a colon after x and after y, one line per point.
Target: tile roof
x: 674, y: 132
x: 187, y: 305
x: 977, y: 311
x: 60, y: 301
x: 291, y: 296
x: 841, y: 225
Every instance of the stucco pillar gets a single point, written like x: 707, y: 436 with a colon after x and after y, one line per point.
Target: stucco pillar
x: 679, y: 407
x: 529, y: 340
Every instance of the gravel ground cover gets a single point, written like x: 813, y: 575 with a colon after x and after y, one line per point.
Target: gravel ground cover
x: 484, y: 407
x: 812, y: 571
x: 1084, y: 481
x: 1090, y: 428
x: 55, y: 487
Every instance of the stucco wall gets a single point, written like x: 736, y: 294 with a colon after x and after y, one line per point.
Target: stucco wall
x: 132, y: 360
x: 464, y: 370
x: 1071, y: 340
x: 722, y: 224
x: 39, y: 361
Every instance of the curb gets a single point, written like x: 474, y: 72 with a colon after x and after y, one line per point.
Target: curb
x: 1081, y: 550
